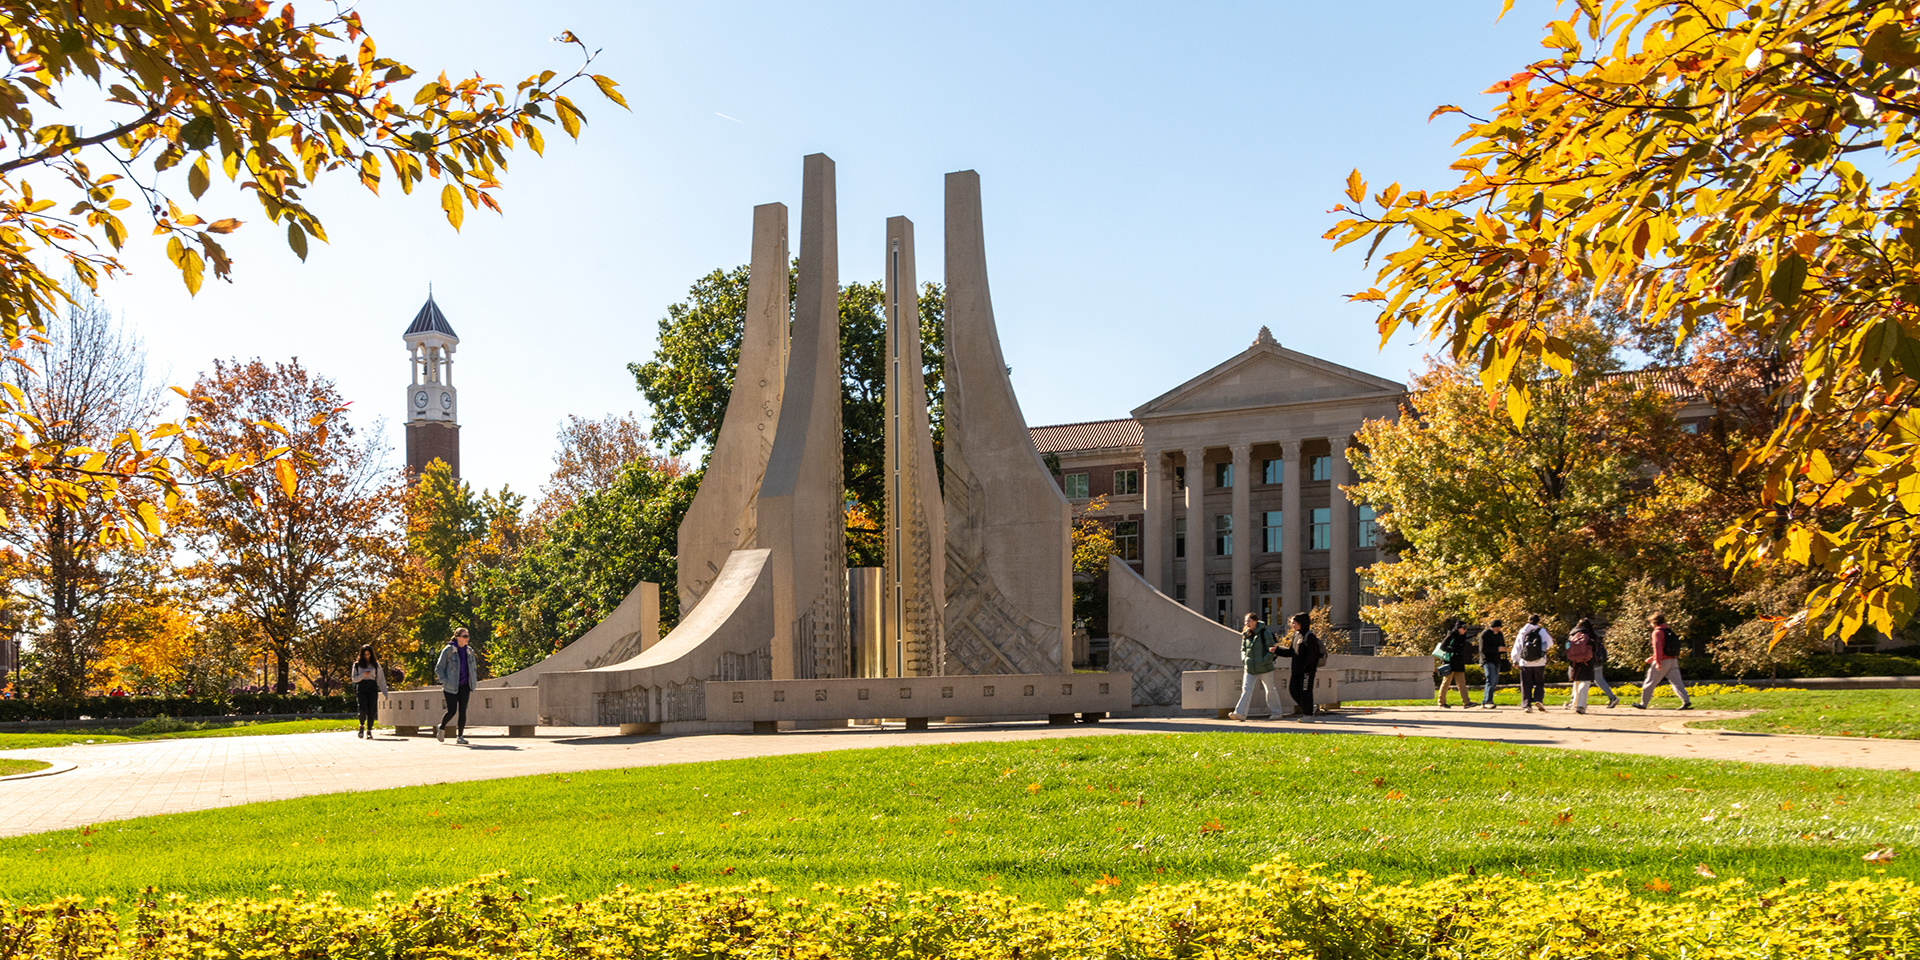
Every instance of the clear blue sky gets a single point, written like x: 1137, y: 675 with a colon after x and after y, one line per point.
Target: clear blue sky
x: 1156, y: 180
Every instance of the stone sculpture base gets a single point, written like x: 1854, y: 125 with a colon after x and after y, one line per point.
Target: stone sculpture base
x: 1156, y: 638
x: 631, y: 628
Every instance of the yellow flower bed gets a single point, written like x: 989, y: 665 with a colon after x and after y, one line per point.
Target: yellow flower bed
x: 1282, y: 910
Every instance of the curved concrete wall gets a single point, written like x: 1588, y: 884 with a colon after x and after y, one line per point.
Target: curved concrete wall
x: 724, y: 638
x: 632, y: 627
x: 1157, y: 638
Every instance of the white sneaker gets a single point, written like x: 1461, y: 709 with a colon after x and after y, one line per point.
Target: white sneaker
x: 459, y: 739
x: 440, y: 733
x: 1235, y: 716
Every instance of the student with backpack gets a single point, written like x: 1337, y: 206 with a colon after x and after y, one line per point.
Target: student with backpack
x: 1600, y: 669
x: 1493, y: 646
x: 1307, y: 652
x: 1456, y: 651
x: 1530, y: 649
x: 1582, y: 644
x: 1664, y: 664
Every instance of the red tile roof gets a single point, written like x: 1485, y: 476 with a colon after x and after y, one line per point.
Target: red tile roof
x: 1092, y: 435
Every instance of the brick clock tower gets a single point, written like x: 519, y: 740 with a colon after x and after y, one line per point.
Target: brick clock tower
x: 433, y: 405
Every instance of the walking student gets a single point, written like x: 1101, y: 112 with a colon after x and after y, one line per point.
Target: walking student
x: 1664, y: 664
x: 1581, y: 646
x: 1530, y: 649
x: 1456, y: 652
x: 1257, y: 659
x: 1493, y: 648
x: 1306, y: 651
x: 458, y: 670
x: 1600, y: 669
x: 369, y: 681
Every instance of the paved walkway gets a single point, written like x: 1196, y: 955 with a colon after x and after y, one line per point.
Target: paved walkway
x: 121, y: 780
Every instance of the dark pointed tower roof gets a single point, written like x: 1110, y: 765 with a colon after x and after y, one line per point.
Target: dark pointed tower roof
x: 431, y: 320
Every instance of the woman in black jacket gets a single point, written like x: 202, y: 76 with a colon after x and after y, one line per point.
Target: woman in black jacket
x: 1456, y: 651
x: 1305, y: 650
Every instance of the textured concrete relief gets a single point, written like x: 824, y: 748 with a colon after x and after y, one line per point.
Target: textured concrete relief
x: 801, y: 501
x: 632, y: 627
x: 916, y: 529
x: 1008, y: 560
x: 724, y: 514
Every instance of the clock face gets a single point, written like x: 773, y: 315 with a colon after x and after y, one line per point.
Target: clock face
x: 420, y: 399
x: 446, y: 400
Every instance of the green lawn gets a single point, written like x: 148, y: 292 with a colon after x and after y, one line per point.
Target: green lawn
x: 1890, y: 714
x: 1039, y: 819
x: 238, y: 728
x: 10, y: 766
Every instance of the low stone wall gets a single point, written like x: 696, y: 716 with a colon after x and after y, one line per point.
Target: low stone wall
x: 410, y: 711
x: 1219, y: 690
x: 1058, y: 696
x: 1382, y: 678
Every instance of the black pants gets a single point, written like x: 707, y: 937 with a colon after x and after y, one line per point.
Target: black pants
x: 1533, y: 685
x: 457, y: 702
x: 369, y: 692
x: 1300, y: 688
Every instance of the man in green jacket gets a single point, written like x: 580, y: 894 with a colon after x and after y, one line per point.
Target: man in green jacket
x: 1257, y: 649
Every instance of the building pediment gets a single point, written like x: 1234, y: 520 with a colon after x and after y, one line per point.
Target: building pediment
x: 1266, y: 374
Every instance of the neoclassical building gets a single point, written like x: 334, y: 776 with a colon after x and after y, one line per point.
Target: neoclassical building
x: 1224, y: 492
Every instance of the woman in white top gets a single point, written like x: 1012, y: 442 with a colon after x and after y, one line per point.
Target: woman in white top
x: 369, y: 681
x: 1530, y: 648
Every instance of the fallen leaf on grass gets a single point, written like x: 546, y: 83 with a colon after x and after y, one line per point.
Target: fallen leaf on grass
x: 1395, y: 795
x: 1882, y: 855
x: 1705, y: 871
x: 1211, y: 826
x: 1658, y: 885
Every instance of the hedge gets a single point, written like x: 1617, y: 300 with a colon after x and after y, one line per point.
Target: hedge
x: 113, y: 708
x: 1283, y: 910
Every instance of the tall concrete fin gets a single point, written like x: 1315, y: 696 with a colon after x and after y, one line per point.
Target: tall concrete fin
x: 724, y: 638
x: 802, y: 518
x: 916, y: 527
x: 1009, y: 560
x: 724, y: 516
x: 1156, y: 638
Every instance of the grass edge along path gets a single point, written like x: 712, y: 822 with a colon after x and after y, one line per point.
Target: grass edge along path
x: 1874, y: 714
x: 237, y: 728
x: 1283, y: 910
x: 1041, y: 819
x: 14, y: 766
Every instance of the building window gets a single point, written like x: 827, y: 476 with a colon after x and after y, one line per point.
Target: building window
x: 1270, y: 520
x: 1322, y: 530
x: 1270, y: 598
x: 1691, y: 426
x: 1223, y: 474
x: 1179, y: 537
x: 1126, y: 482
x: 1322, y: 468
x: 1126, y: 539
x: 1179, y: 478
x: 1273, y: 471
x: 1319, y: 593
x: 1180, y: 592
x: 1223, y: 603
x: 1369, y: 535
x: 1223, y: 535
x: 1076, y: 486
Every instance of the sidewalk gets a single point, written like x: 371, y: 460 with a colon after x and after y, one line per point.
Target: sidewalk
x: 122, y: 780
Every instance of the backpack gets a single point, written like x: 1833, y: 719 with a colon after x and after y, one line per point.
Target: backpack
x: 1531, y: 646
x: 1579, y: 648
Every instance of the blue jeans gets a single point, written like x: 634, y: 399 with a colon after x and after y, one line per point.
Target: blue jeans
x: 1492, y: 670
x: 1600, y: 681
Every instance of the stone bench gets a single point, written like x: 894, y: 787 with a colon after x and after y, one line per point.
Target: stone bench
x: 1344, y: 678
x: 1219, y: 690
x: 410, y: 711
x: 1060, y: 697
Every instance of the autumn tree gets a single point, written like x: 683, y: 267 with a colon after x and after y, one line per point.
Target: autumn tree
x: 1092, y: 542
x: 284, y: 546
x: 590, y: 457
x: 175, y: 93
x: 84, y: 381
x: 455, y: 539
x: 690, y: 378
x: 1745, y: 169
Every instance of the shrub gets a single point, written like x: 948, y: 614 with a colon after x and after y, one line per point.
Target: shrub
x: 115, y: 708
x: 1282, y: 910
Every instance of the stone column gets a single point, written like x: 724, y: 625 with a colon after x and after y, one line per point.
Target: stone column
x: 1198, y: 529
x: 1293, y: 527
x: 1156, y: 521
x: 916, y: 519
x: 1243, y: 528
x: 1340, y: 567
